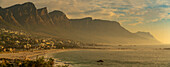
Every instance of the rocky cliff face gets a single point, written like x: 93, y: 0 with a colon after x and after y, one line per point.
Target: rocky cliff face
x: 43, y: 13
x: 59, y: 18
x: 26, y: 14
x: 100, y: 27
x: 8, y: 16
x: 110, y: 32
x: 56, y: 24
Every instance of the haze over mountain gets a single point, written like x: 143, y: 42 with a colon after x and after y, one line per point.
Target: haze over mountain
x: 56, y: 24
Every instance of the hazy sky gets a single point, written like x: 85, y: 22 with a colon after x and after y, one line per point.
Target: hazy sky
x: 135, y: 15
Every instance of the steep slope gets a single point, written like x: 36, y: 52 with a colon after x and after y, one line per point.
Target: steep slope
x: 97, y: 26
x: 7, y: 20
x: 7, y: 16
x: 59, y: 18
x: 43, y: 13
x: 26, y: 14
x: 146, y: 35
x: 107, y: 32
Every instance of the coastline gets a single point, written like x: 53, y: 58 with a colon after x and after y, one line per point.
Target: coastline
x: 31, y: 55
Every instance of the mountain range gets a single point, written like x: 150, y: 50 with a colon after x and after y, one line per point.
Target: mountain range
x: 56, y: 24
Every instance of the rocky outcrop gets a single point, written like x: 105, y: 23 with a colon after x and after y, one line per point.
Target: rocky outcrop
x: 8, y: 16
x: 26, y: 14
x: 59, y: 17
x: 100, y: 61
x: 43, y: 13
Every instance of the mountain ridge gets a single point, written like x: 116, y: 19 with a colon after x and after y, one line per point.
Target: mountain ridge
x: 57, y: 24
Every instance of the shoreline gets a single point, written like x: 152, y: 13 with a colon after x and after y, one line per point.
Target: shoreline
x: 31, y: 55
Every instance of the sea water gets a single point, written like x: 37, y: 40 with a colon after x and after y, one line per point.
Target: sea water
x: 135, y: 56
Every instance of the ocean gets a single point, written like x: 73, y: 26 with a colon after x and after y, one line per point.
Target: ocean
x: 126, y: 56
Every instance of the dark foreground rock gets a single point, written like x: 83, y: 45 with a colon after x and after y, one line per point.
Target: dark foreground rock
x: 100, y: 61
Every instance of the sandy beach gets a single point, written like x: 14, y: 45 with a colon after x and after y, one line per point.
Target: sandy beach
x: 32, y: 54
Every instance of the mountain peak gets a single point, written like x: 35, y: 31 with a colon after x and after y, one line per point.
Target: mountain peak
x: 44, y: 8
x: 57, y: 13
x: 88, y: 18
x: 43, y: 11
x: 58, y: 17
x: 28, y: 3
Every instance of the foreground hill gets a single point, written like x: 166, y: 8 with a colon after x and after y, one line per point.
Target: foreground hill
x: 56, y: 24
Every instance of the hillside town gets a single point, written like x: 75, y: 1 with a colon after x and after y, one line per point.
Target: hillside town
x: 11, y: 41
